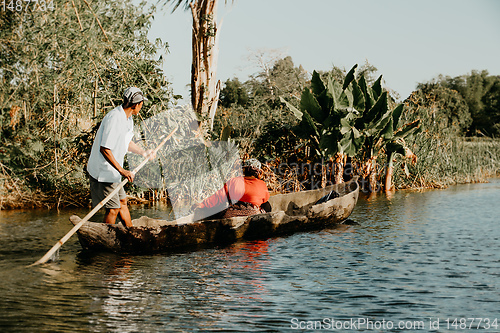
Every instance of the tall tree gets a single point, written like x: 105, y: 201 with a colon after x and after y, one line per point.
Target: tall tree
x: 473, y: 87
x: 445, y: 108
x: 205, y: 88
x: 491, y: 103
x: 234, y: 92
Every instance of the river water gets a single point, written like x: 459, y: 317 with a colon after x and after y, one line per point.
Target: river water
x: 418, y: 261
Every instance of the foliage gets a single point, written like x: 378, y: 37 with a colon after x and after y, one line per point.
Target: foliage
x: 350, y: 119
x: 62, y: 69
x: 445, y: 157
x: 284, y: 79
x: 481, y: 94
x: 447, y: 109
x: 444, y: 161
x: 491, y: 102
x: 233, y: 93
x: 249, y: 109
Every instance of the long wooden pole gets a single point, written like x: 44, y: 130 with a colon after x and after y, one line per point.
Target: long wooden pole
x: 63, y: 240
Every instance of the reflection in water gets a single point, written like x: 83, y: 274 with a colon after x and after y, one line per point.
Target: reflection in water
x: 250, y: 257
x: 413, y: 256
x: 121, y: 300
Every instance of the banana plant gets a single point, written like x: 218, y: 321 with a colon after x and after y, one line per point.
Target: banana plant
x: 383, y: 132
x: 327, y: 113
x: 351, y: 119
x: 397, y: 145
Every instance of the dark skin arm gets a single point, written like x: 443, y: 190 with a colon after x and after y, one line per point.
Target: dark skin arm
x: 134, y: 148
x: 108, y: 155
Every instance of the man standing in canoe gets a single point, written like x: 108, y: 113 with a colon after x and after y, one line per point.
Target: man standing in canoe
x: 111, y: 143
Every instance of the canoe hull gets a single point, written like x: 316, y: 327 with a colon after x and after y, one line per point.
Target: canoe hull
x: 291, y: 213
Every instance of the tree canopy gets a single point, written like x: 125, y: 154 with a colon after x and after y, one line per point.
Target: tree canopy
x: 480, y: 92
x: 61, y: 70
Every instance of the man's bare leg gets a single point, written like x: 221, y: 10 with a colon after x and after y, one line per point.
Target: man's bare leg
x: 111, y: 214
x: 125, y: 213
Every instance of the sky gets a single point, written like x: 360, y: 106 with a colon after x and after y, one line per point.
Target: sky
x: 407, y: 41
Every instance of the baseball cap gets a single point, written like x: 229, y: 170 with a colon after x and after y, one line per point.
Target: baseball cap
x: 133, y: 95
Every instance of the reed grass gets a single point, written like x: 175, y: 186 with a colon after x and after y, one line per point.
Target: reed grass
x: 448, y: 161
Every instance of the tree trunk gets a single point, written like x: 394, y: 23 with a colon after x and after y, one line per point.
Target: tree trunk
x: 205, y: 88
x: 372, y: 177
x: 324, y: 169
x: 389, y: 172
x: 339, y: 168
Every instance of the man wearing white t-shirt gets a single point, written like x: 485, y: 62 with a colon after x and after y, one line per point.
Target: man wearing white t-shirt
x: 105, y: 165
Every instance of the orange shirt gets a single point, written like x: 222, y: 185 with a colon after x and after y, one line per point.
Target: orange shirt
x: 244, y: 189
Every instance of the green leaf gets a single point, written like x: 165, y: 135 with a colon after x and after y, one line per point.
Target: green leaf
x: 343, y: 101
x: 296, y: 112
x: 375, y: 128
x: 335, y: 91
x: 325, y: 100
x: 350, y: 97
x: 377, y: 111
x: 408, y: 129
x: 377, y: 87
x: 368, y: 94
x: 396, y: 115
x: 349, y: 77
x: 388, y: 133
x: 329, y: 145
x: 356, y: 133
x: 314, y: 132
x: 345, y: 127
x: 348, y: 146
x: 309, y: 104
x: 317, y: 85
x: 358, y: 97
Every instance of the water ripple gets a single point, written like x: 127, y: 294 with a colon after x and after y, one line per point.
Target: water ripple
x: 414, y: 256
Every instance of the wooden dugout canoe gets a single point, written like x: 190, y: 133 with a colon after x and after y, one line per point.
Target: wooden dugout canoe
x: 291, y: 212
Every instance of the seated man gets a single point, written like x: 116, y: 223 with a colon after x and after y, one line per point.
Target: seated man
x: 250, y: 191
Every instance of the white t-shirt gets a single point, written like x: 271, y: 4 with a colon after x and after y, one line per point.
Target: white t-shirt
x: 115, y: 133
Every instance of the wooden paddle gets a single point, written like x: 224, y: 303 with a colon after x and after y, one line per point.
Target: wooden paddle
x: 63, y: 240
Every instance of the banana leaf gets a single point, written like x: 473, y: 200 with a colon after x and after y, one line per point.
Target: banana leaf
x: 296, y: 112
x: 408, y: 130
x: 396, y: 115
x: 317, y: 85
x: 377, y: 111
x: 376, y: 127
x: 358, y: 98
x: 349, y: 77
x: 377, y: 87
x: 309, y: 104
x: 368, y: 94
x: 350, y: 145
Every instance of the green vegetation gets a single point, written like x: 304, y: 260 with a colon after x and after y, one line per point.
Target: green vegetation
x: 62, y: 69
x: 325, y: 125
x: 349, y: 120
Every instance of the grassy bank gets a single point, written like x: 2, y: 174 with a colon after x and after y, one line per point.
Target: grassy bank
x: 447, y: 161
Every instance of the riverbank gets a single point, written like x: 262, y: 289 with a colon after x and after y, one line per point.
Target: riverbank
x: 441, y: 162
